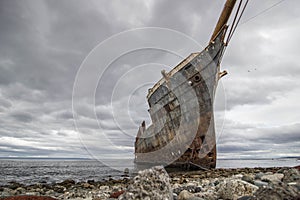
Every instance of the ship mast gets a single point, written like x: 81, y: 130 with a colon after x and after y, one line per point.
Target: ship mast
x: 228, y: 7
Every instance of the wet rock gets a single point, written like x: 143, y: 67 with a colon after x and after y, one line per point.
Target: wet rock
x: 14, y: 185
x: 273, y: 178
x: 59, y: 189
x: 235, y: 188
x: 149, y: 184
x: 67, y: 183
x: 277, y: 192
x: 126, y: 171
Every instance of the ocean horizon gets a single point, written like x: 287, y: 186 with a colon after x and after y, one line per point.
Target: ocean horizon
x: 53, y: 170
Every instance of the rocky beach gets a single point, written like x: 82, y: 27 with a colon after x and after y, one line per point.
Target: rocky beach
x: 156, y: 183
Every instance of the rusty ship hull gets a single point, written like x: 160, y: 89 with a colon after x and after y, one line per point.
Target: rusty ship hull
x: 201, y: 72
x: 182, y: 133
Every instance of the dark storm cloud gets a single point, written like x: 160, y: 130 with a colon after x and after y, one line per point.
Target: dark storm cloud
x: 43, y: 43
x: 30, y: 151
x: 249, y: 139
x: 22, y: 116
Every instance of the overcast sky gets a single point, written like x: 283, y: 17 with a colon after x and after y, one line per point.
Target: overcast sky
x: 43, y: 43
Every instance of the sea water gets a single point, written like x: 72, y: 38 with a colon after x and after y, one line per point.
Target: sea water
x: 52, y: 171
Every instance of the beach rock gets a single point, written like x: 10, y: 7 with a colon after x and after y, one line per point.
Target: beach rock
x: 291, y: 175
x: 32, y: 193
x: 235, y: 188
x: 104, y: 187
x: 126, y: 171
x: 149, y: 184
x: 259, y: 183
x: 245, y: 198
x: 28, y: 198
x: 185, y: 195
x: 273, y: 178
x: 67, y: 183
x: 20, y: 190
x: 277, y: 192
x: 14, y: 185
x: 209, y: 194
x: 59, y: 189
x: 116, y: 194
x: 259, y: 175
x: 189, y: 188
x: 91, y: 182
x: 86, y: 185
x: 248, y: 179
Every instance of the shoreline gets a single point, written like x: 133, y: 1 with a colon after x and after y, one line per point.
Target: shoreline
x: 201, y: 184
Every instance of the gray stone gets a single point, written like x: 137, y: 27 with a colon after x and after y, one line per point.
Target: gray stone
x: 185, y: 195
x: 259, y: 175
x: 277, y: 192
x: 33, y: 193
x: 104, y: 187
x: 151, y: 183
x: 86, y: 185
x: 189, y: 188
x: 291, y: 175
x: 126, y: 171
x: 245, y: 198
x: 248, y: 179
x: 273, y: 178
x: 235, y: 188
x: 195, y: 198
x: 260, y: 183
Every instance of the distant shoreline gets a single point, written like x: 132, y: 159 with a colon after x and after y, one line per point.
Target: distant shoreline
x: 91, y: 159
x: 39, y: 158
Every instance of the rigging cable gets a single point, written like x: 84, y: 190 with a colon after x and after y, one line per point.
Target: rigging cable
x: 263, y: 11
x: 234, y: 25
x: 232, y: 30
x: 236, y: 14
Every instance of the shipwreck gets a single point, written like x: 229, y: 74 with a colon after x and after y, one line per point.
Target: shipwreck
x: 182, y: 133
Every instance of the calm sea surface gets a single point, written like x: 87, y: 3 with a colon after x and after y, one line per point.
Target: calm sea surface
x: 50, y: 171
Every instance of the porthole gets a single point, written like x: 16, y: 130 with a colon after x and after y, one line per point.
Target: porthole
x: 197, y: 78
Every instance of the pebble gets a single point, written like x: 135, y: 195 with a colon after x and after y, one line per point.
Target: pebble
x: 238, y: 184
